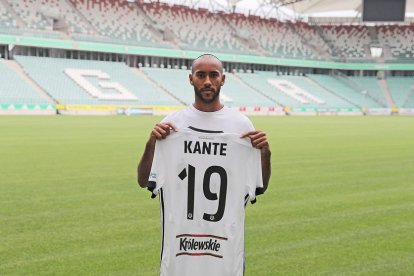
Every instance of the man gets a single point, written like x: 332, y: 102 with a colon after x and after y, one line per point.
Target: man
x: 207, y: 115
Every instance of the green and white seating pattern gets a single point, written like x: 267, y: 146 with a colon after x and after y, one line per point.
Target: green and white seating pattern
x: 354, y: 96
x: 15, y: 90
x: 401, y: 89
x: 33, y: 12
x: 6, y: 20
x: 119, y: 20
x: 92, y: 82
x: 234, y: 92
x: 372, y: 87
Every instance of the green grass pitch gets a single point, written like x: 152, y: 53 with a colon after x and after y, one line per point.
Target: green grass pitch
x: 340, y: 201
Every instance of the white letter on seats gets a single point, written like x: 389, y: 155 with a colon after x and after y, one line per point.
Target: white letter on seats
x: 78, y: 76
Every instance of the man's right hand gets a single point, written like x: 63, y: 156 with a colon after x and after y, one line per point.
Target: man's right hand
x: 162, y: 130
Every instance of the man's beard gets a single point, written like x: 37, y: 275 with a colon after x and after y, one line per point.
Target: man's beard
x: 199, y: 95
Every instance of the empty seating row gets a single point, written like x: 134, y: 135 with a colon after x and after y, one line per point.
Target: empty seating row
x: 234, y: 92
x: 156, y: 24
x: 92, y: 82
x: 402, y: 89
x: 114, y: 83
x: 15, y: 90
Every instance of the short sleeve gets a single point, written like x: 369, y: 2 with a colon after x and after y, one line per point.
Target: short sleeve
x: 155, y: 180
x: 255, y: 181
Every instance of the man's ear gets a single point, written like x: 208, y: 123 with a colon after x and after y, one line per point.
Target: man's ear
x: 223, y: 78
x: 190, y: 77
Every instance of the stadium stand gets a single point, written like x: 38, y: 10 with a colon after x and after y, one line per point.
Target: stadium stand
x: 49, y: 15
x: 243, y: 95
x: 371, y: 87
x: 172, y: 80
x: 236, y: 92
x: 259, y: 80
x: 160, y: 25
x: 350, y: 42
x: 308, y: 41
x: 350, y: 94
x: 299, y: 91
x: 193, y: 28
x: 323, y: 97
x: 409, y: 102
x: 119, y: 22
x: 275, y: 38
x: 15, y: 90
x: 400, y: 39
x: 6, y: 19
x: 402, y: 90
x: 92, y: 82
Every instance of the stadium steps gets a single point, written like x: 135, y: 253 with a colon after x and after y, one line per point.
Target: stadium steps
x: 12, y: 12
x: 13, y: 65
x: 357, y: 87
x: 244, y: 43
x: 387, y: 93
x: 157, y: 86
x: 335, y: 51
x: 293, y: 30
x: 237, y: 77
x: 151, y: 23
x: 91, y: 28
x: 409, y: 101
x: 373, y: 34
x: 333, y: 92
x: 401, y: 88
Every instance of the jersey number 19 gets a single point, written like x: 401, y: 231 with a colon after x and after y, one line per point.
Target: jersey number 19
x: 206, y: 190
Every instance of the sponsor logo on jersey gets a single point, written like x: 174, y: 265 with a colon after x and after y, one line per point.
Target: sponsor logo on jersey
x: 200, y: 245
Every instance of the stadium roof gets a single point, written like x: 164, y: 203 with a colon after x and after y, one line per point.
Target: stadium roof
x: 285, y: 8
x: 319, y: 6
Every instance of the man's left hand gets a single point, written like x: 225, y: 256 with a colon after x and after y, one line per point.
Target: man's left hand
x: 258, y: 139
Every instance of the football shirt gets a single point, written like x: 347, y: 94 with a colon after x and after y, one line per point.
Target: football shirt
x: 203, y: 181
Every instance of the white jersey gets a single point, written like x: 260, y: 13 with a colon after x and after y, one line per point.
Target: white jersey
x: 203, y: 181
x: 225, y: 120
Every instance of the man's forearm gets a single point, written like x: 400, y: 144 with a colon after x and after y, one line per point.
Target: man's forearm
x: 266, y: 168
x: 144, y: 166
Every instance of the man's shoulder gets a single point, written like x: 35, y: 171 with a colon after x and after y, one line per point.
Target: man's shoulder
x: 227, y: 119
x: 239, y: 118
x: 175, y: 114
x: 234, y: 112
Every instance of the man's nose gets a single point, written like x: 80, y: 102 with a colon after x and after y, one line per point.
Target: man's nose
x: 207, y: 82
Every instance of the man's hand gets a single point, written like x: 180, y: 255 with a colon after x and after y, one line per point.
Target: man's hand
x: 258, y: 139
x: 162, y: 130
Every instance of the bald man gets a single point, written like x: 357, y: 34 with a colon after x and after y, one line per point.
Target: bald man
x: 206, y: 115
x: 207, y: 78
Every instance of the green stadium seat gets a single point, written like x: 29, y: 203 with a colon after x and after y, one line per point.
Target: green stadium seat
x: 52, y: 75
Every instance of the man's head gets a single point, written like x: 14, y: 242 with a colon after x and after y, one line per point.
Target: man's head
x: 207, y: 78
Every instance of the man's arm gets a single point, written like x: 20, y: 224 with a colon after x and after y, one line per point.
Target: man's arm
x: 160, y: 131
x: 144, y: 166
x: 259, y: 141
x: 266, y: 167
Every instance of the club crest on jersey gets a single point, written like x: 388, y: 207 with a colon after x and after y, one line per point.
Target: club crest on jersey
x: 197, y: 245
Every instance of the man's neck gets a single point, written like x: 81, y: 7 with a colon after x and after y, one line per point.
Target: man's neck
x: 212, y: 107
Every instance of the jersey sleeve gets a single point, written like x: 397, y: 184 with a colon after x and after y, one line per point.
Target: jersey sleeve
x: 156, y: 177
x: 255, y: 183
